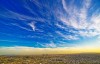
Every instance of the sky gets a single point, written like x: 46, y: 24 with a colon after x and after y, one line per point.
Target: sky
x: 49, y: 25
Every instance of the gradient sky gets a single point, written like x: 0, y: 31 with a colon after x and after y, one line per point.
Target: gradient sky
x: 49, y: 23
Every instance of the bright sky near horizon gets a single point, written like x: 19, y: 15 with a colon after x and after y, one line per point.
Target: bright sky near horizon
x: 54, y: 24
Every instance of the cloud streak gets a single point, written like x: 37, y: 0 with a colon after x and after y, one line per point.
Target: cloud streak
x: 32, y: 25
x: 78, y: 18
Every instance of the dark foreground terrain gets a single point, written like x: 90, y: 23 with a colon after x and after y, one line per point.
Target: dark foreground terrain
x: 52, y: 59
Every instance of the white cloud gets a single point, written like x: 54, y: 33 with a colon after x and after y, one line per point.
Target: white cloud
x: 18, y: 16
x: 89, y: 33
x: 50, y: 45
x: 21, y: 27
x: 60, y: 26
x: 32, y: 25
x: 67, y: 37
x: 14, y: 15
x: 78, y: 18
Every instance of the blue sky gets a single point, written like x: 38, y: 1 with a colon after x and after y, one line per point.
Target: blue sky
x: 49, y: 23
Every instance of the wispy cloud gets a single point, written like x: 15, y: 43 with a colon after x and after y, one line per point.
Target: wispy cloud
x: 25, y: 28
x: 78, y: 18
x: 32, y: 25
x: 50, y: 45
x: 15, y: 15
x: 67, y: 37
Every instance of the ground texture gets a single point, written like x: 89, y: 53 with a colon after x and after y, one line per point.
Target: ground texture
x: 52, y: 59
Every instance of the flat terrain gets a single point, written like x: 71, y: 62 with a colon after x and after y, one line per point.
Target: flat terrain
x: 52, y: 59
